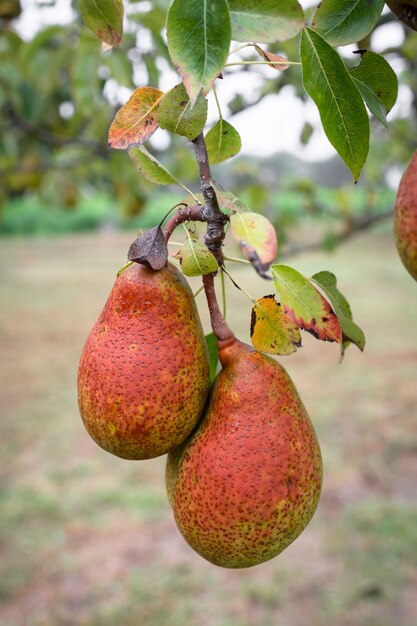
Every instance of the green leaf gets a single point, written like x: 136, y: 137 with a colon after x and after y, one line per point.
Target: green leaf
x: 265, y: 20
x: 213, y: 350
x: 223, y: 142
x: 306, y: 133
x: 342, y: 111
x: 305, y: 305
x: 150, y: 167
x: 272, y: 330
x: 195, y: 259
x: 378, y: 76
x: 255, y: 232
x: 104, y: 18
x: 351, y: 331
x: 176, y: 114
x: 199, y: 34
x: 341, y: 22
x: 137, y: 120
x: 372, y: 101
x: 229, y: 201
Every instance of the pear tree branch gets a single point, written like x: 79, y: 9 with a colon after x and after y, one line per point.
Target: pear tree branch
x: 184, y: 214
x: 216, y: 220
x: 361, y: 224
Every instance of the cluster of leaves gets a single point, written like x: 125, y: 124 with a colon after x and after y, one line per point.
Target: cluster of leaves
x: 56, y: 104
x: 55, y: 118
x: 275, y: 323
x: 298, y: 302
x: 199, y: 37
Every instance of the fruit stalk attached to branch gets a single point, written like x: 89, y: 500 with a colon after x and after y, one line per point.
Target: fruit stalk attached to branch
x: 220, y: 327
x: 184, y: 214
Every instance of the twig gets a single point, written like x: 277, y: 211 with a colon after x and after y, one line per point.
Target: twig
x: 249, y: 297
x: 361, y: 225
x: 45, y: 136
x: 215, y: 219
x: 263, y: 63
x: 235, y: 259
x: 184, y: 214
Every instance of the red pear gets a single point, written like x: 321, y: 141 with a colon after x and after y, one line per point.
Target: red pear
x: 144, y: 371
x: 247, y: 481
x: 405, y: 218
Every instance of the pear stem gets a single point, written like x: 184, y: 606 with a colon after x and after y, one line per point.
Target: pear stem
x: 184, y: 214
x: 220, y: 327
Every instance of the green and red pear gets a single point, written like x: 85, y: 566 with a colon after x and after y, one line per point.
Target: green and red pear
x: 405, y: 218
x: 248, y: 480
x: 144, y: 372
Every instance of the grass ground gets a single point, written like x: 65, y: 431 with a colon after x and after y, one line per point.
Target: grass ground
x: 88, y: 539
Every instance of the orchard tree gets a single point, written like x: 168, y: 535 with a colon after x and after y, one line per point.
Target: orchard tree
x: 58, y: 95
x: 244, y: 468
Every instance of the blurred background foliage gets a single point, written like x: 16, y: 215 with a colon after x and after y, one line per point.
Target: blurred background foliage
x: 59, y: 94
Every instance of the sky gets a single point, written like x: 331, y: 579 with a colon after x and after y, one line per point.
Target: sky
x: 273, y: 125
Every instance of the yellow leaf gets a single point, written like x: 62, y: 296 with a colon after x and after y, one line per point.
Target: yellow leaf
x: 272, y: 331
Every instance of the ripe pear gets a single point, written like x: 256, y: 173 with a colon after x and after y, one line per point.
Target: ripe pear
x: 248, y: 480
x: 144, y: 371
x: 405, y: 218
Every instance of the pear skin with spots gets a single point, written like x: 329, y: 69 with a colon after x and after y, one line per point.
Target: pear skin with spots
x: 143, y: 377
x: 405, y: 218
x: 248, y: 480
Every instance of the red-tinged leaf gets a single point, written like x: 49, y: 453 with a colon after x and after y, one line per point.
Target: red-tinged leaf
x: 305, y: 305
x: 351, y: 332
x: 104, y: 18
x: 137, y: 120
x: 272, y: 330
x: 254, y: 232
x: 198, y: 35
x: 278, y: 62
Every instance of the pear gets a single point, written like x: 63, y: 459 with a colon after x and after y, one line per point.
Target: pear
x: 405, y: 218
x: 144, y: 372
x: 248, y: 480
